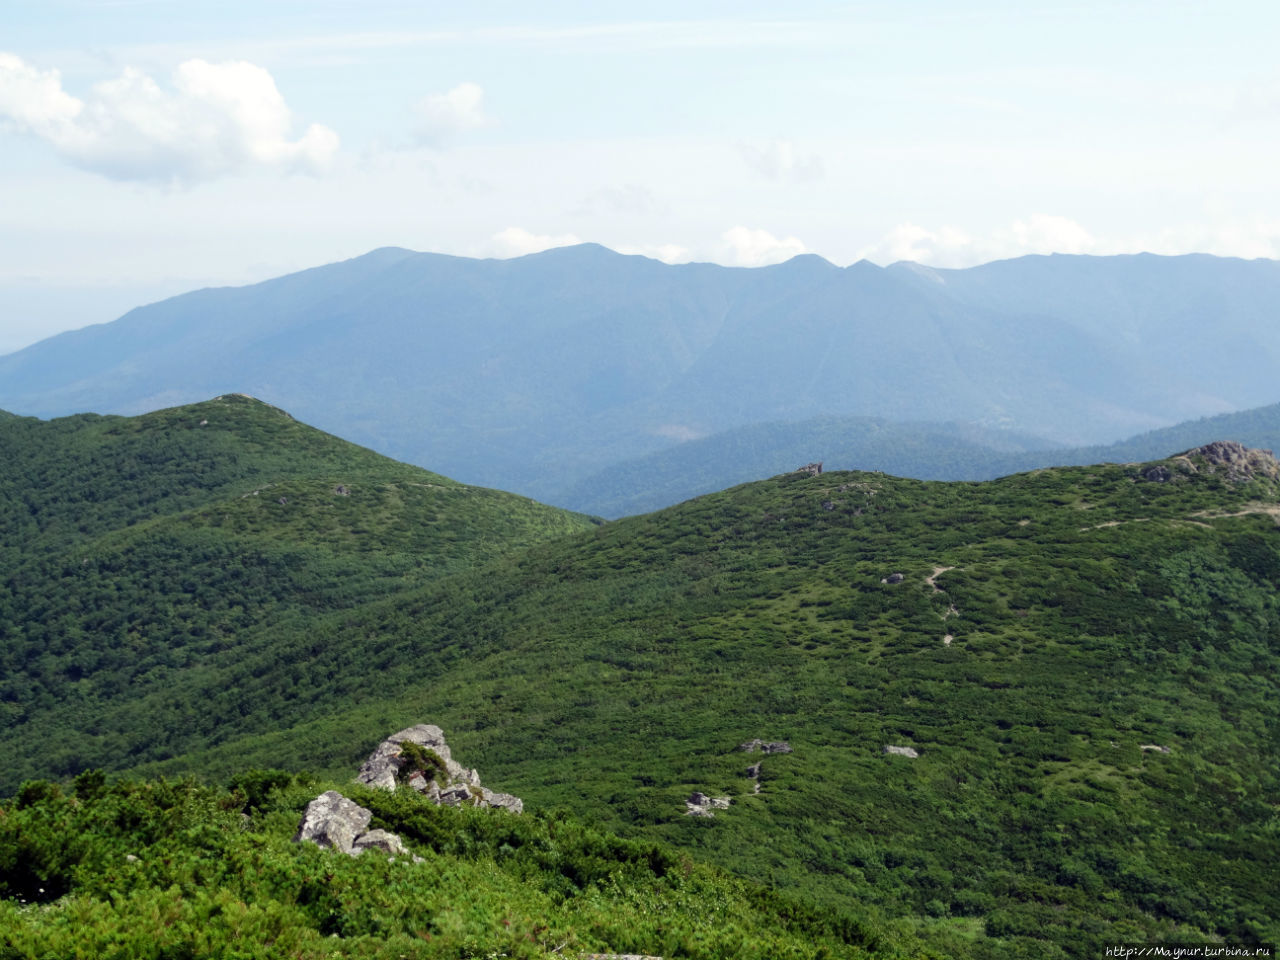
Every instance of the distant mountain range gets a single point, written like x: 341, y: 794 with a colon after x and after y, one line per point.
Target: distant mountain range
x: 537, y: 373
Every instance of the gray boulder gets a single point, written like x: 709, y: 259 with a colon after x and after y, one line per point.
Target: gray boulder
x: 331, y: 820
x: 503, y: 801
x: 383, y: 840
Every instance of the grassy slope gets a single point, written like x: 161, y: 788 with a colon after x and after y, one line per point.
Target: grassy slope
x: 161, y: 870
x: 613, y: 672
x: 1095, y: 612
x: 140, y: 551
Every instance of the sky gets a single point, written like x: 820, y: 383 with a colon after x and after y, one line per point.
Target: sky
x: 149, y: 147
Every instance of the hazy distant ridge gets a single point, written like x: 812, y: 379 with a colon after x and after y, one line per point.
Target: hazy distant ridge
x: 534, y: 373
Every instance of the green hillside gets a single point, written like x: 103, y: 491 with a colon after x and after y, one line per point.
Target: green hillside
x: 1084, y: 661
x: 140, y: 552
x: 161, y: 870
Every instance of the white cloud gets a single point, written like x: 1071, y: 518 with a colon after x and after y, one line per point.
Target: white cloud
x: 948, y: 246
x: 517, y: 242
x: 443, y: 115
x: 666, y: 252
x: 219, y: 119
x: 907, y: 241
x: 744, y: 247
x: 34, y: 100
x: 779, y: 160
x: 1047, y: 234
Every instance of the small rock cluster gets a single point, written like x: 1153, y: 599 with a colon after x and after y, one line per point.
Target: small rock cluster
x: 701, y: 805
x: 776, y: 746
x: 332, y: 820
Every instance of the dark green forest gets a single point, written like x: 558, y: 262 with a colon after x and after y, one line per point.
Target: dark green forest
x: 1083, y: 660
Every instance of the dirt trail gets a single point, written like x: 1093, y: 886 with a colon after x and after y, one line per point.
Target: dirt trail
x: 937, y: 572
x: 1271, y: 509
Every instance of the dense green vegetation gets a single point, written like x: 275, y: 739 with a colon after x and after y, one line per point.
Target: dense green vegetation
x: 137, y: 551
x: 1085, y: 660
x: 160, y: 870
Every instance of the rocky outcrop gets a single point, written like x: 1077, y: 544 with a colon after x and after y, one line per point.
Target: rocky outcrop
x: 701, y: 805
x: 812, y: 469
x: 419, y: 758
x: 1234, y: 460
x: 776, y: 746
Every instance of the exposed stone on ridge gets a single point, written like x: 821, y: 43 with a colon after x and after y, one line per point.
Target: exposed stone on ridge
x: 701, y: 805
x: 1233, y: 459
x: 383, y: 765
x: 453, y: 786
x: 331, y: 820
x: 776, y: 746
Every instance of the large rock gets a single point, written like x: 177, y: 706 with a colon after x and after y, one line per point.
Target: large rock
x: 383, y: 840
x: 455, y: 785
x: 331, y: 820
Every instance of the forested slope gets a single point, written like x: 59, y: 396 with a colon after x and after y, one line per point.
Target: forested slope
x: 137, y: 551
x: 1083, y: 660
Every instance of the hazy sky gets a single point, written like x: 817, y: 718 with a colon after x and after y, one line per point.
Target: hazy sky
x: 151, y: 146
